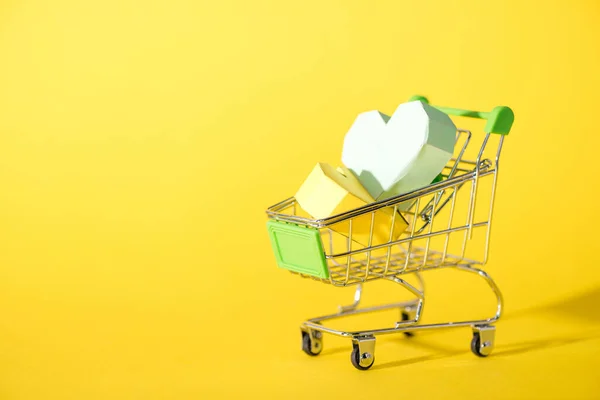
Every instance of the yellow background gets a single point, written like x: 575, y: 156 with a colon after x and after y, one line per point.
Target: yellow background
x: 141, y: 141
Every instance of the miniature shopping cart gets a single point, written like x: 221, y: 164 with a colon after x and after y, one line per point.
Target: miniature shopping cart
x: 443, y: 219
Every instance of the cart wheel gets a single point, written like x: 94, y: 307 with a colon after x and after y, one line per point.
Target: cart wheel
x: 407, y: 317
x: 356, y: 357
x: 312, y: 346
x: 476, y: 345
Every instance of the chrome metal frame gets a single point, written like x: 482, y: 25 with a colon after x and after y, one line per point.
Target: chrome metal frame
x: 352, y: 263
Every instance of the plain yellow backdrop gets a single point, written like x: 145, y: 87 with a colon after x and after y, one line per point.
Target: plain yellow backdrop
x: 141, y: 142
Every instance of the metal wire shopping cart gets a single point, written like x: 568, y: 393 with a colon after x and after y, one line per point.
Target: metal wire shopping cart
x: 443, y: 217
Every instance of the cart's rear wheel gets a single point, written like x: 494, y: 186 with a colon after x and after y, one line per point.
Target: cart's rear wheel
x: 362, y: 361
x: 407, y: 317
x: 312, y: 346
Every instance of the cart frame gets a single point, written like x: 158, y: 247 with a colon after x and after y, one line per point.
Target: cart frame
x: 307, y: 247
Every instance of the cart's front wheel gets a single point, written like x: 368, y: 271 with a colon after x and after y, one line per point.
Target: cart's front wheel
x: 312, y: 345
x: 483, y: 340
x: 361, y: 361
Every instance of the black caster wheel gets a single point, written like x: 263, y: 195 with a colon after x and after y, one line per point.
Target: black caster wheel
x: 312, y: 346
x: 407, y: 317
x: 476, y: 345
x: 361, y: 361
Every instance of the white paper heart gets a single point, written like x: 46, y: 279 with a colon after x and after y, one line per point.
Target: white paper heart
x: 397, y: 154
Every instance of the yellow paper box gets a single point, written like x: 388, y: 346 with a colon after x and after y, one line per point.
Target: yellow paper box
x: 328, y: 191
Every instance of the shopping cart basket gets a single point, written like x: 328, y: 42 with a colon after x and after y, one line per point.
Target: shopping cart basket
x: 442, y: 220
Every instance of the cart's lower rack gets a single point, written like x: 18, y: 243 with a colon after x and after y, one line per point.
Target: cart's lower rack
x: 363, y: 342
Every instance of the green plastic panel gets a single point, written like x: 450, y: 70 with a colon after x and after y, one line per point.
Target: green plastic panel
x: 499, y: 120
x: 298, y: 248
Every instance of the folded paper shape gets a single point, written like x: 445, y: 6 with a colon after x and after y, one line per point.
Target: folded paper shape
x: 328, y: 191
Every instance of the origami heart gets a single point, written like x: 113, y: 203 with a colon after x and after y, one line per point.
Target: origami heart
x: 397, y: 154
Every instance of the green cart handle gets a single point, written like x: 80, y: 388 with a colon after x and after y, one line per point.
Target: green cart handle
x: 499, y: 120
